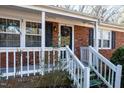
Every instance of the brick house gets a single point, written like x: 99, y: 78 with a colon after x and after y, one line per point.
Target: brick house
x: 40, y: 27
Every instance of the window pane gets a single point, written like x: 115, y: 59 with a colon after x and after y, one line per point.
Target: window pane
x: 33, y: 41
x: 33, y: 28
x: 106, y: 43
x: 106, y: 35
x: 2, y: 25
x: 9, y: 40
x: 13, y: 26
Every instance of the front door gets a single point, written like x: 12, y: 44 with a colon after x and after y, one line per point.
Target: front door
x: 66, y: 36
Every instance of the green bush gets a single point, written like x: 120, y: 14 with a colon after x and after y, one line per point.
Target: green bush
x: 118, y: 58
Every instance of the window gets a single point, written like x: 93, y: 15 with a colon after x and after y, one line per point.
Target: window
x: 33, y: 36
x: 9, y: 33
x: 104, y: 39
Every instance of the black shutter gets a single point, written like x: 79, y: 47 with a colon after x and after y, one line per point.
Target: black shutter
x: 113, y: 39
x: 91, y: 34
x: 48, y: 34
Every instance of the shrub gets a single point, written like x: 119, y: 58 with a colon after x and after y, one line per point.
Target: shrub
x: 55, y: 79
x: 118, y: 58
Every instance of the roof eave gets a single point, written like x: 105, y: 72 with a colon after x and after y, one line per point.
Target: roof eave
x: 51, y: 9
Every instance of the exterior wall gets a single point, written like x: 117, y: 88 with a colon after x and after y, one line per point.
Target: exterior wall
x: 119, y: 42
x: 55, y: 34
x: 81, y: 38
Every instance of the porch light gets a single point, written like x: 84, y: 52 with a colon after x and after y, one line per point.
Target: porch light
x: 55, y: 28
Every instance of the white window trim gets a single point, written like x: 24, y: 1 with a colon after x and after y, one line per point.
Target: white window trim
x: 110, y: 47
x: 27, y: 20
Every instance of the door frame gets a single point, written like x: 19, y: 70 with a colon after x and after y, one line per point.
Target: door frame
x: 59, y: 34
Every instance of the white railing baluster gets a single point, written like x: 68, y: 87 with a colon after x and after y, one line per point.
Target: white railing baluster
x: 72, y: 69
x: 101, y: 67
x: 78, y: 75
x: 105, y: 71
x: 74, y: 64
x: 97, y: 65
x: 59, y: 56
x: 109, y: 77
x: 48, y: 61
x: 112, y: 81
x: 81, y: 80
x: 67, y: 59
x: 7, y: 64
x: 28, y: 62
x: 34, y: 62
x: 62, y: 55
x: 21, y: 64
x: 14, y: 57
x: 54, y: 58
x: 40, y: 60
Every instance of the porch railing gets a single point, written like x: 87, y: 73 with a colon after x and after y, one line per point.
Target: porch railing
x: 109, y: 73
x: 79, y: 74
x: 26, y: 61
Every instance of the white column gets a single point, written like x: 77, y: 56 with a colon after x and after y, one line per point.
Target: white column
x: 96, y: 43
x: 23, y: 32
x: 42, y: 43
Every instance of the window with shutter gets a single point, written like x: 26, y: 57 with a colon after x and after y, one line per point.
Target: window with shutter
x: 104, y: 38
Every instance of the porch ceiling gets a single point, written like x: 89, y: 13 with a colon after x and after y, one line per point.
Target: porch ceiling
x: 55, y: 12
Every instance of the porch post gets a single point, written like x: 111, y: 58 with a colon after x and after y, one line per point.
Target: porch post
x: 22, y: 32
x: 42, y: 44
x: 96, y: 43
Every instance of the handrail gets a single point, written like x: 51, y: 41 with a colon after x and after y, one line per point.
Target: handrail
x: 11, y: 49
x: 79, y: 73
x: 109, y: 73
x: 105, y: 60
x: 73, y: 55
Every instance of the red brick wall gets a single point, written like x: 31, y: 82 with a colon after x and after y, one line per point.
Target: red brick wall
x: 119, y: 42
x: 11, y: 59
x: 81, y: 38
x: 55, y: 34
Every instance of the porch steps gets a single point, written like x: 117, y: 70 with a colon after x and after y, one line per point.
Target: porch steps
x: 95, y: 82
